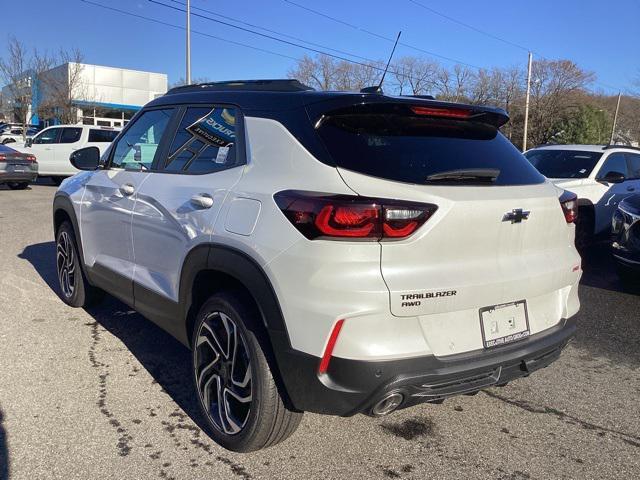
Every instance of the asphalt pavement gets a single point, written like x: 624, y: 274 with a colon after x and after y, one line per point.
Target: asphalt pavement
x: 103, y: 393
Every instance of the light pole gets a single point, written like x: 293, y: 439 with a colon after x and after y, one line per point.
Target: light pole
x: 526, y: 105
x: 188, y: 73
x: 615, y: 119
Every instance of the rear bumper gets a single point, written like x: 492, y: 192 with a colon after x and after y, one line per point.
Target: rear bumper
x: 6, y: 177
x: 354, y: 386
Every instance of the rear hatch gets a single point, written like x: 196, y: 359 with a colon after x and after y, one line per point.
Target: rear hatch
x: 496, y: 255
x: 12, y: 160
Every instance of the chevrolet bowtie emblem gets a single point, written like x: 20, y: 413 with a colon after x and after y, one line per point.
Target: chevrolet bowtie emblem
x: 517, y: 215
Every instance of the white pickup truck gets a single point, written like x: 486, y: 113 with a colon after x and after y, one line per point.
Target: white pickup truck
x: 53, y: 145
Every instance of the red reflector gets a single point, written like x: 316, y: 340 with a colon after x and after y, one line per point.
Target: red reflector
x: 442, y: 112
x: 326, y: 357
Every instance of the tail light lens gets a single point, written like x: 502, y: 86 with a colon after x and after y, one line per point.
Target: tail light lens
x: 569, y: 204
x: 344, y: 217
x: 30, y: 158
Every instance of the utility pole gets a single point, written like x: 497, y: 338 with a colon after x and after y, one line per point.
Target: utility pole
x: 526, y: 105
x: 188, y: 74
x: 615, y: 120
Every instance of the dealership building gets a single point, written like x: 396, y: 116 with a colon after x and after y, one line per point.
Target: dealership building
x: 104, y: 96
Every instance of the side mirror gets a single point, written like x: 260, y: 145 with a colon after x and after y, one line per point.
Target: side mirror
x: 613, y: 177
x: 28, y: 142
x: 87, y: 158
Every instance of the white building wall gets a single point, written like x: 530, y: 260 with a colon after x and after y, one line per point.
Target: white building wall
x: 120, y: 86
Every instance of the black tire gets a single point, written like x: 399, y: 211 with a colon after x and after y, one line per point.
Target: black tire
x: 236, y: 423
x: 18, y: 185
x: 627, y: 275
x: 74, y: 289
x: 584, y: 228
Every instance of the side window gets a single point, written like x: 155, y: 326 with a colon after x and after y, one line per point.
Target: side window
x: 204, y: 141
x: 615, y: 162
x: 634, y: 165
x: 70, y: 135
x: 137, y: 147
x: 47, y: 136
x: 102, y: 136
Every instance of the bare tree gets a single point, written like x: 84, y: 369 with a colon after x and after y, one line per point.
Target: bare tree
x: 326, y: 73
x: 20, y: 73
x: 417, y: 75
x: 553, y: 83
x: 62, y: 86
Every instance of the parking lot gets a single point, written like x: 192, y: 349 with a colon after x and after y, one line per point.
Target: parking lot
x: 105, y: 394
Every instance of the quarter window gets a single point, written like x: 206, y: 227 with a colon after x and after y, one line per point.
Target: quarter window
x: 634, y: 164
x: 138, y: 146
x: 204, y: 142
x: 615, y: 162
x: 102, y: 136
x: 70, y: 135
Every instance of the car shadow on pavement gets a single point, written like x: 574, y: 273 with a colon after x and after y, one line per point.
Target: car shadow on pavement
x: 166, y: 359
x: 599, y: 271
x: 4, y: 451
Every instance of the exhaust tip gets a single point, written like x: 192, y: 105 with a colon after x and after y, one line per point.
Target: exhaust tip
x: 387, y: 404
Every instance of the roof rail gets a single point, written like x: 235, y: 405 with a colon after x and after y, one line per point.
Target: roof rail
x: 276, y: 85
x: 606, y: 147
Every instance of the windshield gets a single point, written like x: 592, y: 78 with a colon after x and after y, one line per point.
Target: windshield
x: 389, y: 142
x: 563, y: 163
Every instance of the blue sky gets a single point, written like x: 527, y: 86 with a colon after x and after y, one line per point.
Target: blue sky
x: 600, y: 37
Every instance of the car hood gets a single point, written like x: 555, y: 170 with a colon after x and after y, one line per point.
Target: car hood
x: 571, y: 183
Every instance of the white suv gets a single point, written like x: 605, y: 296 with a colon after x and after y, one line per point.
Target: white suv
x: 338, y: 253
x: 601, y: 176
x: 53, y: 145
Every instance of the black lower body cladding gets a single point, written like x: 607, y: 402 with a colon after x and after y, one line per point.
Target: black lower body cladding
x: 352, y: 386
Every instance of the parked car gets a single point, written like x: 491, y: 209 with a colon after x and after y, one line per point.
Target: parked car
x: 626, y: 237
x: 336, y: 253
x: 53, y: 145
x: 17, y: 170
x: 601, y: 176
x: 14, y: 135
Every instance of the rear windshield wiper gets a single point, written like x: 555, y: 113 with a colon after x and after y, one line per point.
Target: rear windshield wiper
x: 467, y: 175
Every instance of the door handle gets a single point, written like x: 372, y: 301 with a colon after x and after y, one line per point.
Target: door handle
x: 202, y: 200
x: 127, y: 189
x: 630, y: 189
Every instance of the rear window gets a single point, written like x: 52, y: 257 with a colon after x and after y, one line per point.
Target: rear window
x: 102, y: 136
x: 390, y: 142
x: 563, y: 163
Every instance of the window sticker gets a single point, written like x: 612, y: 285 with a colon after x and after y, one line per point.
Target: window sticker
x: 221, y: 157
x: 216, y: 128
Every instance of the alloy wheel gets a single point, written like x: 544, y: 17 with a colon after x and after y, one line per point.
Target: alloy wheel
x: 223, y: 373
x: 65, y: 260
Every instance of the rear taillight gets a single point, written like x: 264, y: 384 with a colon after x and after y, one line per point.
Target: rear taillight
x: 29, y: 158
x: 344, y: 217
x: 569, y: 204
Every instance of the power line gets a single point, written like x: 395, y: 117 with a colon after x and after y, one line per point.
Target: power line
x: 160, y: 22
x: 471, y: 27
x: 377, y: 35
x: 275, y: 32
x: 180, y: 27
x: 372, y: 65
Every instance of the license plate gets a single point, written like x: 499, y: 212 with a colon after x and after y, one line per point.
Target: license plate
x: 502, y: 324
x: 17, y: 168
